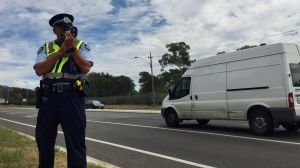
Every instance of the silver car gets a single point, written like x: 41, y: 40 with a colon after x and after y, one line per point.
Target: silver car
x: 94, y: 104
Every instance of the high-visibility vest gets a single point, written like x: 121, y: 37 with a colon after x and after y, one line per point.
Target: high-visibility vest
x: 51, y: 48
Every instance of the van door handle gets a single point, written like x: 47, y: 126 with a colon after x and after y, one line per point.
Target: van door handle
x: 196, y: 96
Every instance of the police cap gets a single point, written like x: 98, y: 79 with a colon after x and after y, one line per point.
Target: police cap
x: 61, y: 18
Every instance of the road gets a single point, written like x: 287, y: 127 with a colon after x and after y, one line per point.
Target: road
x: 141, y: 140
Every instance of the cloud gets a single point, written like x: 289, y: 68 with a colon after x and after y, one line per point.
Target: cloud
x: 25, y: 28
x: 119, y: 30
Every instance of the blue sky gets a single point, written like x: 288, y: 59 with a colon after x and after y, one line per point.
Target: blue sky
x: 118, y: 30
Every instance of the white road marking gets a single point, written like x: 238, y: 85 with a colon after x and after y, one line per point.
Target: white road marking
x: 29, y: 116
x: 63, y: 149
x: 128, y: 148
x: 199, y: 132
x: 151, y: 153
x: 16, y: 113
x: 28, y: 125
x: 4, y: 111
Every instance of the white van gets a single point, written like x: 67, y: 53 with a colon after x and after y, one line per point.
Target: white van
x: 261, y: 85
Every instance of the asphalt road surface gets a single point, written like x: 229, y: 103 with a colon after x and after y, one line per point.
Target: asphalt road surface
x: 141, y: 140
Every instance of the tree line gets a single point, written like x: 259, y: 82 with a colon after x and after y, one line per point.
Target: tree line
x: 173, y: 64
x: 104, y: 84
x: 15, y: 95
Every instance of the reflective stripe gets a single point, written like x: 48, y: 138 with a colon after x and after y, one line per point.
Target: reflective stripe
x: 51, y: 48
x: 62, y: 63
x: 78, y: 45
x: 55, y: 66
x: 47, y: 49
x: 65, y: 75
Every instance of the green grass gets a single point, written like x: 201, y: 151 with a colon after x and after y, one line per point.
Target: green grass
x: 18, y: 151
x: 133, y: 107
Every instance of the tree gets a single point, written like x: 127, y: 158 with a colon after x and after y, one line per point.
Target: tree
x: 169, y: 78
x: 178, y: 59
x: 246, y: 47
x: 177, y: 56
x: 16, y: 95
x: 250, y: 46
x: 124, y: 85
x: 146, y: 83
x: 221, y: 52
x: 262, y: 44
x: 104, y: 84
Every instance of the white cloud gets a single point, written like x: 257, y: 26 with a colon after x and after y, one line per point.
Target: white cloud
x: 205, y: 25
x: 142, y: 27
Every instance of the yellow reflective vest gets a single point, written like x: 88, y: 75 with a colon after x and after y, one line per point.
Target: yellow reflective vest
x: 51, y: 48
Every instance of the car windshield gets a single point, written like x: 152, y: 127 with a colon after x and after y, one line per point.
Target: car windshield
x: 95, y: 102
x: 295, y: 72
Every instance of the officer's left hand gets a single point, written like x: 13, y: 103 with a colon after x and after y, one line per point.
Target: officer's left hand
x: 69, y: 40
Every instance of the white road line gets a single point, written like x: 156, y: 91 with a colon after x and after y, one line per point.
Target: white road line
x: 151, y: 153
x: 29, y: 116
x: 63, y: 149
x: 16, y: 113
x: 199, y: 132
x: 4, y: 111
x: 129, y: 148
x: 28, y: 125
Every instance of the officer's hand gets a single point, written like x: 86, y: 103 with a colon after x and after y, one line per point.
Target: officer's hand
x: 69, y: 40
x: 63, y: 49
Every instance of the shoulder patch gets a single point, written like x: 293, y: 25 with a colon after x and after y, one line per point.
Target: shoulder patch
x: 87, y: 47
x: 41, y: 49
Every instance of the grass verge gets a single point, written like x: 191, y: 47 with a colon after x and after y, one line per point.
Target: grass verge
x: 19, y: 151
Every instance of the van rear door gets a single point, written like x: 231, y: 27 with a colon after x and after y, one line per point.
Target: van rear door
x: 292, y: 57
x: 295, y: 93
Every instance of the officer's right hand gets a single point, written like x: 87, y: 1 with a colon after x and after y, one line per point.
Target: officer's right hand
x: 63, y: 49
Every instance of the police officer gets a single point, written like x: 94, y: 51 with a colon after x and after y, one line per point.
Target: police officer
x: 63, y: 63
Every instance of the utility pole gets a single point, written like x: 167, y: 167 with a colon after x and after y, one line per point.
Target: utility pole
x: 151, y: 66
x: 7, y: 95
x: 27, y: 97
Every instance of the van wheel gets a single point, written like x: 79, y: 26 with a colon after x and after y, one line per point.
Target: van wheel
x: 202, y: 122
x: 172, y: 119
x: 290, y: 127
x: 260, y: 122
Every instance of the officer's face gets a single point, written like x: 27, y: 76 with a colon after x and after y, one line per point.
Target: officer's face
x: 58, y: 30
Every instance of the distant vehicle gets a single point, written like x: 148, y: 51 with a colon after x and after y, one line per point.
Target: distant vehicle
x: 94, y: 104
x: 2, y: 101
x: 260, y: 85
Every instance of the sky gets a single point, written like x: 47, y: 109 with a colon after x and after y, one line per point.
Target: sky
x: 119, y: 30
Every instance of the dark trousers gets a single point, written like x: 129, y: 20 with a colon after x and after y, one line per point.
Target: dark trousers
x: 67, y: 109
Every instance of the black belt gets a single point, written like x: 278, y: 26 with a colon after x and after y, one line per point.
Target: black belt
x: 64, y: 75
x: 60, y: 87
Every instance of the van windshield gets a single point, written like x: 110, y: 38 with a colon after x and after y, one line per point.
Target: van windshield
x: 295, y: 72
